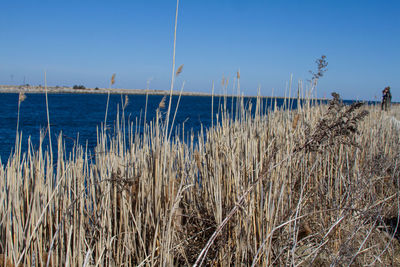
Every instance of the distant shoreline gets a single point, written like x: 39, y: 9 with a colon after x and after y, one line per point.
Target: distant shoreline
x: 16, y: 89
x: 70, y: 90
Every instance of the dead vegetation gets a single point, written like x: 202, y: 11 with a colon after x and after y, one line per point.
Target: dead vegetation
x: 315, y: 186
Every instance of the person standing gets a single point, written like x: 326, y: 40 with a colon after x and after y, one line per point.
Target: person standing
x: 386, y: 99
x: 383, y: 103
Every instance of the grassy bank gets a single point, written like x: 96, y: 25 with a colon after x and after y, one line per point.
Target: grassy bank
x: 314, y: 186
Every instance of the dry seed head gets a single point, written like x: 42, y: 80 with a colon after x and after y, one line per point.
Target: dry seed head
x: 162, y: 103
x: 238, y: 74
x: 197, y: 158
x: 179, y: 70
x: 295, y: 121
x: 21, y: 97
x: 126, y: 102
x: 223, y: 81
x: 113, y: 79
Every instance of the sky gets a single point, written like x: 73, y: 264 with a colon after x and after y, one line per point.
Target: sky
x: 274, y: 44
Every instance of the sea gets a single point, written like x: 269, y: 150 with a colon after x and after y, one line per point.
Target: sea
x: 77, y: 117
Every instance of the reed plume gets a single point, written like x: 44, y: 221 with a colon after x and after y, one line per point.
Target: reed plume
x: 126, y: 102
x: 112, y: 79
x: 161, y: 105
x: 179, y: 70
x: 21, y: 98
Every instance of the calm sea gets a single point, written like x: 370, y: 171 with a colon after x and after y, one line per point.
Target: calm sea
x: 77, y: 116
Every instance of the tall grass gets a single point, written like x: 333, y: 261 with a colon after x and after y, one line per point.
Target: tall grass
x: 314, y: 186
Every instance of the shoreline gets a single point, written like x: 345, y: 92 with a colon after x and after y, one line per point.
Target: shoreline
x: 70, y: 90
x: 16, y: 89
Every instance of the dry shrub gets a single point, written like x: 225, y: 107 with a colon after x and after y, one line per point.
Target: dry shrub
x: 337, y: 126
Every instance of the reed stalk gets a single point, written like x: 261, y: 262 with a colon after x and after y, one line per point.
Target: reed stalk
x: 112, y: 81
x: 173, y: 74
x: 47, y: 112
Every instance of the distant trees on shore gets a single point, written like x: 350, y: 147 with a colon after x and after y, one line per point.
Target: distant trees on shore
x: 78, y: 87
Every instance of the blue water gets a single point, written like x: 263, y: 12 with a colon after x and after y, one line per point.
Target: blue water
x: 77, y: 116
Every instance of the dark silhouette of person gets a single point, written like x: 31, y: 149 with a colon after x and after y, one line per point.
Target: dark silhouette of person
x: 386, y: 99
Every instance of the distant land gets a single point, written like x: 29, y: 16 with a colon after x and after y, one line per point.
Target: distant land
x: 72, y: 90
x: 34, y: 89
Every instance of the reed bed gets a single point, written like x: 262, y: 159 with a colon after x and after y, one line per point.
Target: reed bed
x: 314, y: 186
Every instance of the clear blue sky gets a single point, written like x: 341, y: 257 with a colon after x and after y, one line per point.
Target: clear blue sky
x: 85, y: 42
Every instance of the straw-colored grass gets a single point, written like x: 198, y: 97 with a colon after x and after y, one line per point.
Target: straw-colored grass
x: 302, y: 187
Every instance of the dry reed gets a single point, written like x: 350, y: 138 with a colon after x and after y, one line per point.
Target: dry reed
x: 305, y: 187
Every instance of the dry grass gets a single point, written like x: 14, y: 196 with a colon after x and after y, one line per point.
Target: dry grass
x: 309, y: 187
